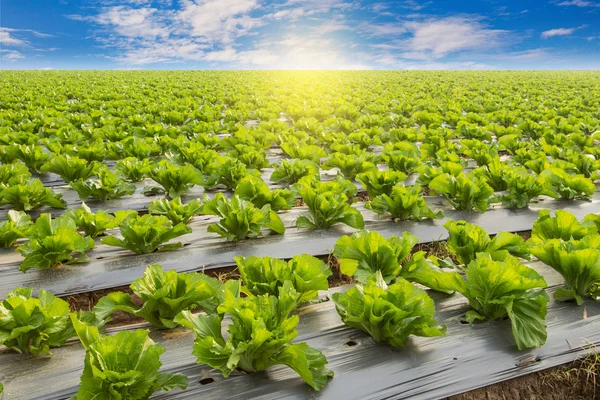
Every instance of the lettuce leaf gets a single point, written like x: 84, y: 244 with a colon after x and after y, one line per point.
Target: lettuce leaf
x: 240, y: 219
x: 265, y: 275
x: 53, y: 242
x: 389, y: 314
x: 123, y: 366
x: 260, y: 336
x: 146, y: 234
x: 166, y: 294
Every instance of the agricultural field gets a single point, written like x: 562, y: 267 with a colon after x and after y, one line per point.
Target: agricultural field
x: 264, y: 234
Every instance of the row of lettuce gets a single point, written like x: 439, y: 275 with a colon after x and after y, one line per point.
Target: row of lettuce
x: 488, y: 271
x: 251, y: 211
x: 558, y: 165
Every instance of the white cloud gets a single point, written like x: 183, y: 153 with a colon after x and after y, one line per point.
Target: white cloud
x: 579, y: 3
x: 414, y: 5
x: 219, y: 20
x: 560, y: 32
x: 384, y: 30
x: 11, y: 55
x: 133, y: 22
x: 441, y: 37
x: 8, y: 40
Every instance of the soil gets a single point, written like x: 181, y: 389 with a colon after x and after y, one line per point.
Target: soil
x: 87, y: 301
x: 574, y: 381
x: 363, y: 196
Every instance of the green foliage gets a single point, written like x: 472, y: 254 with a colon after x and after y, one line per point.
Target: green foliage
x: 404, y: 203
x: 563, y: 226
x: 265, y: 275
x: 350, y: 165
x: 30, y: 195
x: 53, y: 242
x: 71, y: 168
x: 428, y: 173
x: 365, y: 254
x: 17, y: 225
x: 174, y: 179
x: 133, y: 169
x: 240, y: 219
x: 466, y: 240
x: 304, y: 151
x: 175, y: 210
x: 380, y: 182
x: 291, y: 171
x: 465, y: 193
x: 146, y: 234
x: 123, y: 366
x: 13, y: 174
x: 92, y: 224
x: 107, y: 186
x: 522, y: 188
x: 568, y: 186
x: 33, y: 325
x: 34, y: 157
x: 326, y: 207
x: 166, y: 294
x: 260, y: 336
x: 389, y: 314
x: 256, y: 191
x: 497, y: 289
x: 250, y: 156
x: 228, y: 172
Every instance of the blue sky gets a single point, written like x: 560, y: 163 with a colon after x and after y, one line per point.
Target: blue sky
x: 295, y: 34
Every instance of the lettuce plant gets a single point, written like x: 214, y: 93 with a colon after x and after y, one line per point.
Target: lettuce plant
x: 380, y: 182
x: 563, y: 226
x: 568, y: 186
x: 427, y: 173
x: 256, y: 191
x: 465, y: 240
x: 250, y: 156
x: 33, y: 156
x: 327, y: 207
x: 401, y: 156
x: 53, y: 242
x: 133, y: 169
x: 499, y: 289
x: 105, y: 187
x: 30, y: 195
x: 174, y: 179
x: 166, y: 294
x: 123, y: 366
x: 494, y: 174
x: 17, y: 225
x: 522, y: 188
x: 92, y: 224
x: 13, y: 174
x: 350, y: 165
x: 240, y: 219
x: 365, y: 254
x: 577, y: 262
x: 403, y: 203
x: 71, y: 168
x: 146, y: 233
x: 389, y: 314
x: 226, y: 171
x: 464, y: 193
x: 303, y: 151
x: 175, y: 210
x: 265, y: 275
x: 260, y: 336
x: 33, y: 325
x: 291, y: 171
